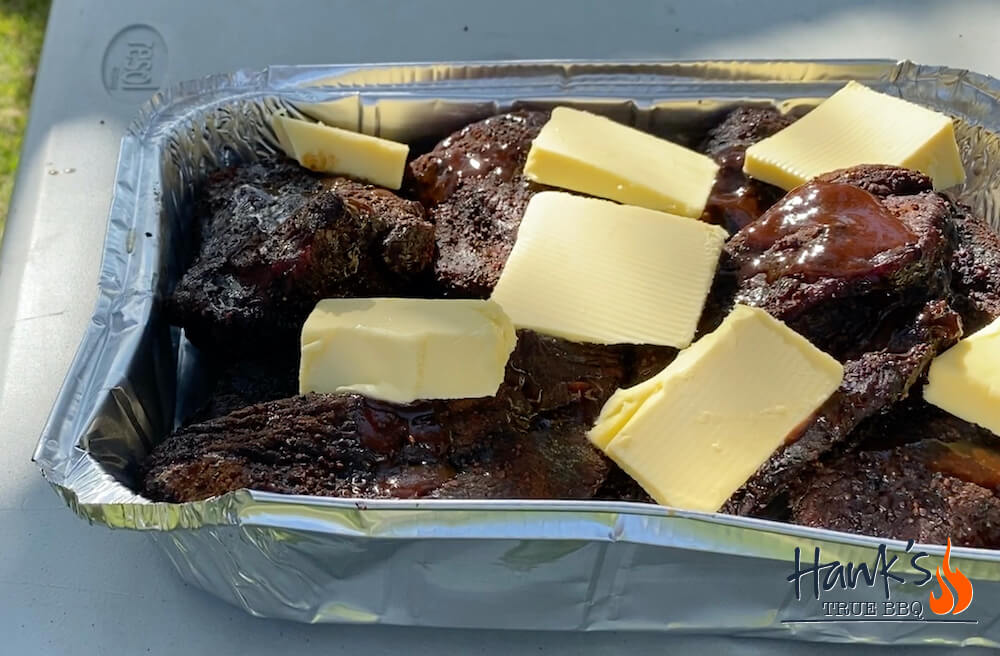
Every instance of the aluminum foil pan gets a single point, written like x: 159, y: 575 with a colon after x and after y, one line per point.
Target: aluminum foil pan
x: 498, y: 564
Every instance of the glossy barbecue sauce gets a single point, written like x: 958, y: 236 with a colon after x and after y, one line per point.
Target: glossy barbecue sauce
x: 411, y: 443
x: 386, y: 428
x: 734, y: 201
x: 822, y: 229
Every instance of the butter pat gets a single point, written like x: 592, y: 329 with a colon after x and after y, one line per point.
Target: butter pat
x: 401, y: 350
x: 341, y: 113
x: 695, y: 432
x: 333, y: 150
x: 965, y: 379
x: 597, y: 156
x: 279, y: 132
x: 591, y: 270
x: 859, y: 126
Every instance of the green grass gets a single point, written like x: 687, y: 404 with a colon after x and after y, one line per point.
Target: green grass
x: 22, y: 26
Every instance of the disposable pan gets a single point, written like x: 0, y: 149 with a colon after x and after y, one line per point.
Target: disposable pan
x: 561, y: 565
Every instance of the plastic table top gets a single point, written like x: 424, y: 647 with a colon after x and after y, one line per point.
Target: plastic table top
x: 66, y: 587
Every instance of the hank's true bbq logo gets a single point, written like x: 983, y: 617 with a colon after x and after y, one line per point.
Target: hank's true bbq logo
x: 949, y: 591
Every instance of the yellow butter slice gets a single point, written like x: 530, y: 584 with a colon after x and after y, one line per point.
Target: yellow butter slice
x: 333, y: 150
x: 965, y: 379
x: 401, y: 350
x: 342, y: 113
x: 594, y: 155
x: 282, y: 136
x: 859, y: 126
x: 590, y: 270
x: 695, y: 432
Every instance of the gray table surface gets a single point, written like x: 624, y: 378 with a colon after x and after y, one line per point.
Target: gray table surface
x: 69, y: 588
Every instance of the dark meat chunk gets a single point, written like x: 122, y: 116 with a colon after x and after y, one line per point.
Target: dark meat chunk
x: 254, y: 284
x: 334, y: 444
x: 742, y: 128
x: 475, y: 231
x: 975, y: 269
x: 256, y: 196
x: 833, y: 260
x: 619, y: 486
x: 552, y: 460
x: 485, y: 152
x: 913, y: 420
x: 881, y: 180
x: 737, y: 200
x: 346, y: 445
x: 646, y: 360
x: 928, y: 491
x: 249, y: 381
x: 474, y: 188
x: 316, y: 444
x: 528, y: 440
x: 551, y: 372
x: 872, y: 383
x: 406, y: 240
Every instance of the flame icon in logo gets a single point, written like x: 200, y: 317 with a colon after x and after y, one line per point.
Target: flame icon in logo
x: 947, y: 602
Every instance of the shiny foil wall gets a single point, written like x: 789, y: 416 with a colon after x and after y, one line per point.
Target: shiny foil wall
x: 500, y: 564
